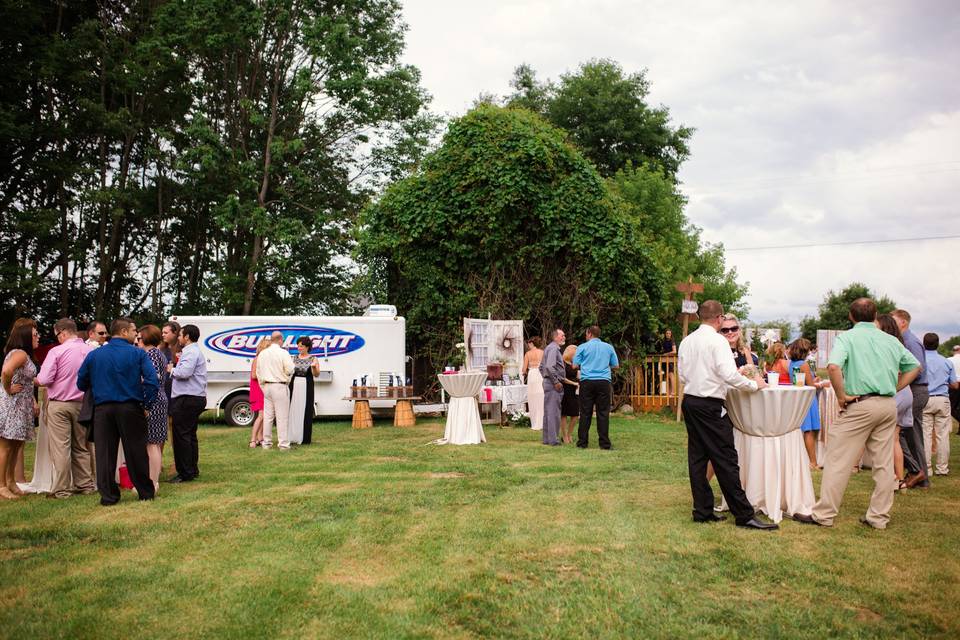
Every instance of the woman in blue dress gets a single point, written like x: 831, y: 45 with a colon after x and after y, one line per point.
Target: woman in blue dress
x: 798, y: 351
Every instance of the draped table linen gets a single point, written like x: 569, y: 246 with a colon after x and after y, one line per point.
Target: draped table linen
x: 463, y: 416
x: 510, y: 396
x: 774, y: 467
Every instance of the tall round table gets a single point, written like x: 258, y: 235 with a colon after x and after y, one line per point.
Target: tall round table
x: 774, y: 467
x: 463, y: 417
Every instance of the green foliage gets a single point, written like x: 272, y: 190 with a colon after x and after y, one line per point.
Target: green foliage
x: 946, y: 347
x: 653, y: 200
x: 834, y: 311
x: 507, y: 218
x: 606, y: 113
x: 201, y: 157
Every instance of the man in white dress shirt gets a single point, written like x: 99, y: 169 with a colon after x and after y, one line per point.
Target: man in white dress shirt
x: 707, y: 371
x: 274, y: 368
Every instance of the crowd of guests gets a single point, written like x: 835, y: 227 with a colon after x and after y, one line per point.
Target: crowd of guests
x: 115, y: 392
x: 893, y: 391
x: 566, y: 386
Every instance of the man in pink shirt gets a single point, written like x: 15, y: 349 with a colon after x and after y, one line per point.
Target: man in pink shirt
x: 70, y: 453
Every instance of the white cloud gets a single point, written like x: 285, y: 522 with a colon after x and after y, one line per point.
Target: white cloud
x: 816, y: 122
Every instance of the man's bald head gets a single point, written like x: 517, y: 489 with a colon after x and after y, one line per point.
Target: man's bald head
x: 276, y: 337
x: 863, y: 310
x: 710, y: 310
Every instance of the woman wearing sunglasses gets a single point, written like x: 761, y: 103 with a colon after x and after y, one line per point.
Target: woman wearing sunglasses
x: 730, y: 329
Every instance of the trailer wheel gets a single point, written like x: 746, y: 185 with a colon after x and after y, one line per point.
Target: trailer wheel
x: 237, y: 411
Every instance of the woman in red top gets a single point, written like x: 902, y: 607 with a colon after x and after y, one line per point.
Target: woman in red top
x: 777, y: 353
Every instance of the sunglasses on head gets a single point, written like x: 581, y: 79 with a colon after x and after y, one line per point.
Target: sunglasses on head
x: 730, y: 330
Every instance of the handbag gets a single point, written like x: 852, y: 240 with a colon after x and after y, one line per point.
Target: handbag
x: 85, y: 417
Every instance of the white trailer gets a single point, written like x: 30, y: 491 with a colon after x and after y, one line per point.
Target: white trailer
x: 348, y: 347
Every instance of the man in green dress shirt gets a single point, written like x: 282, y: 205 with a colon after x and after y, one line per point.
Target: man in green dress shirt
x: 867, y: 367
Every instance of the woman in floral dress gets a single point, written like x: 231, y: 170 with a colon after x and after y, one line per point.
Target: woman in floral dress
x: 17, y: 406
x: 150, y: 340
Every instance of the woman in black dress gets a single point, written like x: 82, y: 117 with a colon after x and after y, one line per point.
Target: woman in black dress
x: 305, y: 367
x: 570, y: 404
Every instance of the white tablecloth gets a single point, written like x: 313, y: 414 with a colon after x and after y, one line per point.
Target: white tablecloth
x: 463, y: 417
x: 508, y: 395
x: 774, y: 468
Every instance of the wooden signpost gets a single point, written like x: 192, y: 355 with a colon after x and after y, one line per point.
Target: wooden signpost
x: 689, y: 306
x: 689, y: 309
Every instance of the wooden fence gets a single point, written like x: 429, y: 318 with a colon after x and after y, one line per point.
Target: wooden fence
x: 653, y: 384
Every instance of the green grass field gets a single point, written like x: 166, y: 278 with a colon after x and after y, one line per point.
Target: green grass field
x: 373, y: 534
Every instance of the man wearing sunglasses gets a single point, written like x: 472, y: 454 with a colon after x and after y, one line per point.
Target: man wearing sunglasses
x: 96, y: 334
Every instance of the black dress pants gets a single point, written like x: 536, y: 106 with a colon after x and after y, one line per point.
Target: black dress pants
x: 185, y: 413
x: 594, y: 393
x: 115, y: 423
x: 710, y: 439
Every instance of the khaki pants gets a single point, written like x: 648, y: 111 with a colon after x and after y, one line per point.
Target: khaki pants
x: 70, y: 455
x: 936, y: 424
x: 276, y: 406
x: 871, y: 424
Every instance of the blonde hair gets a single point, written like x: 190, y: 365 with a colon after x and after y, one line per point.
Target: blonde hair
x: 741, y: 340
x: 263, y: 344
x: 777, y: 350
x: 569, y: 352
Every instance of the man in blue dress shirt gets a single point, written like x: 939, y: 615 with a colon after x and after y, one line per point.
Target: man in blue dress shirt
x: 188, y: 400
x: 124, y: 385
x: 941, y: 378
x: 595, y: 359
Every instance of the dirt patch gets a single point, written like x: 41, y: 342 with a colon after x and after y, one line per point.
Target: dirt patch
x: 867, y: 615
x: 389, y: 459
x: 447, y: 474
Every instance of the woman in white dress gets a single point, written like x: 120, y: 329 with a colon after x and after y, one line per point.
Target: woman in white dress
x: 531, y: 369
x: 305, y: 367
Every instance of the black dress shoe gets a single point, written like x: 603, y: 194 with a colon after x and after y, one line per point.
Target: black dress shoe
x: 176, y: 480
x: 711, y: 518
x: 753, y: 523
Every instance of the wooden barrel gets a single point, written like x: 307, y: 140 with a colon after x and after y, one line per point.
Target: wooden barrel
x: 403, y: 415
x: 361, y: 415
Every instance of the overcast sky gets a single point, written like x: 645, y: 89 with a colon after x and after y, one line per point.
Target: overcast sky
x: 816, y: 122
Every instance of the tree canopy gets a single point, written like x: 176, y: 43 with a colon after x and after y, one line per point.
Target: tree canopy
x: 205, y: 156
x: 834, y: 311
x: 519, y: 225
x: 606, y: 113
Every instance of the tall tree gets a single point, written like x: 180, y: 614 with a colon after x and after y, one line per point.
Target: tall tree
x: 834, y: 311
x: 605, y: 111
x: 290, y: 95
x: 203, y: 156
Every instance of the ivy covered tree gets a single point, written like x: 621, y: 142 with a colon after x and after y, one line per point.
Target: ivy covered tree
x: 507, y: 217
x: 834, y: 311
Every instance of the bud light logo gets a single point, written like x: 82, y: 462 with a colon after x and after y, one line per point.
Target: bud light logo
x: 326, y: 342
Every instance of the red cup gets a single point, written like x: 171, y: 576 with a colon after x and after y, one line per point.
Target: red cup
x: 489, y: 393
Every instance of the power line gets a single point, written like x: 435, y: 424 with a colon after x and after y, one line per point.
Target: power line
x: 844, y: 243
x: 812, y: 181
x: 801, y: 176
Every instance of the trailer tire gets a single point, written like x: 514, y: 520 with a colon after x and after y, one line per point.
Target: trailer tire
x: 237, y: 411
